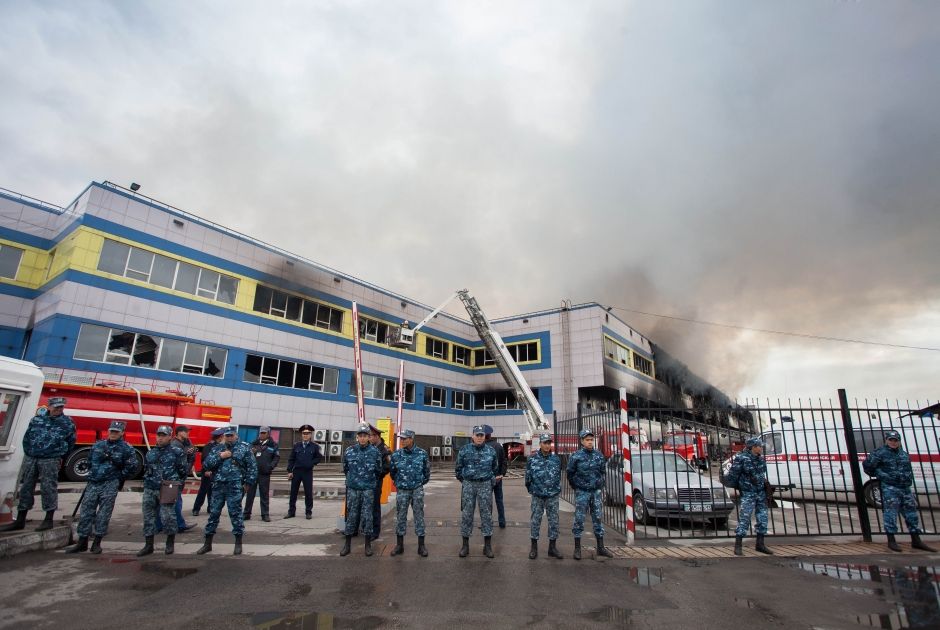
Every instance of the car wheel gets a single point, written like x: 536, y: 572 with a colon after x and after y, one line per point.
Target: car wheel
x: 872, y: 492
x: 78, y: 465
x: 640, y: 514
x: 138, y: 465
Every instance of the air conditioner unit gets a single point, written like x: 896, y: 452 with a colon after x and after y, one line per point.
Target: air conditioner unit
x: 336, y: 450
x: 336, y: 436
x: 322, y: 447
x: 435, y: 451
x: 447, y: 451
x: 447, y: 440
x: 319, y: 435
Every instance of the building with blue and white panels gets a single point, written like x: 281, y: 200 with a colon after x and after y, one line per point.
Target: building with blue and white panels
x: 117, y: 287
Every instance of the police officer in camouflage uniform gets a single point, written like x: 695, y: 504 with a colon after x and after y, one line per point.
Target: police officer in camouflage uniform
x: 233, y: 471
x: 749, y: 471
x: 48, y: 439
x: 543, y: 481
x: 586, y: 474
x: 205, y: 484
x: 891, y: 466
x: 112, y: 461
x: 164, y: 462
x: 476, y: 466
x: 362, y: 465
x: 411, y: 471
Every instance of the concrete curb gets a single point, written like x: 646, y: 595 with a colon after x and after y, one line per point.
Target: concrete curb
x: 15, y: 544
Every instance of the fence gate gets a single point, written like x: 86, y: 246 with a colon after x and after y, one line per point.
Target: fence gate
x: 813, y: 450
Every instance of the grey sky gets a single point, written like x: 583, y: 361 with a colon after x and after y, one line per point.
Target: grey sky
x: 769, y: 164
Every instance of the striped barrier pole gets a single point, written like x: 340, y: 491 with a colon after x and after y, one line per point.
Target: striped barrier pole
x: 627, y: 466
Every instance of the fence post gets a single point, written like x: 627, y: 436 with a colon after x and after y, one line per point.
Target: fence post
x: 580, y: 418
x: 627, y: 466
x: 860, y: 504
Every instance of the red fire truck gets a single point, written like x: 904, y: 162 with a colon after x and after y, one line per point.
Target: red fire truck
x: 691, y: 445
x: 92, y: 408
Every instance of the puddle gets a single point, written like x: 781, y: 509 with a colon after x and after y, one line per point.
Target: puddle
x: 610, y: 614
x: 645, y: 577
x: 913, y: 591
x: 313, y: 621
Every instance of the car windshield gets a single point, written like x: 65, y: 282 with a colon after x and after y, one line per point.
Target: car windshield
x: 660, y: 462
x: 681, y: 440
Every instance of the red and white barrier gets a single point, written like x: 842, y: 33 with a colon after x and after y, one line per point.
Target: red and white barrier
x: 627, y: 466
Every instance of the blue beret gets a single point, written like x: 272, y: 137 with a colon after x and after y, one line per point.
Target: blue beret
x: 545, y: 437
x: 479, y: 430
x: 56, y: 401
x: 754, y: 441
x: 407, y: 433
x: 363, y: 428
x: 164, y: 430
x: 892, y: 434
x: 585, y: 433
x: 116, y: 425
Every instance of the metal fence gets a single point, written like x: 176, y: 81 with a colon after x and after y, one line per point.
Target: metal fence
x: 813, y: 450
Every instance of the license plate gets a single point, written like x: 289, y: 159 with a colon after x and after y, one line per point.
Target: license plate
x: 697, y: 507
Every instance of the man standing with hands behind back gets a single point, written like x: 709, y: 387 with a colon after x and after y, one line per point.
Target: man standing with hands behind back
x: 303, y: 457
x: 267, y: 456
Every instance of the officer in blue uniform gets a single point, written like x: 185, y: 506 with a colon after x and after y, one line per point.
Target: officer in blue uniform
x: 205, y: 482
x: 233, y: 470
x: 749, y: 473
x: 267, y: 455
x: 112, y: 461
x: 48, y: 439
x: 411, y: 471
x: 891, y: 466
x: 303, y: 457
x: 498, y: 479
x: 362, y: 465
x: 164, y: 462
x: 586, y: 474
x: 476, y: 466
x: 543, y: 481
x: 375, y: 438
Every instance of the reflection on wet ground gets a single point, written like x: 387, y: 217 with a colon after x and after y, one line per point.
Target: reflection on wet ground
x: 913, y: 591
x: 313, y: 621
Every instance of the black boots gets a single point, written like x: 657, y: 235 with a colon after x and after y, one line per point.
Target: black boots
x: 917, y: 543
x: 345, y: 549
x: 465, y: 549
x: 238, y: 546
x: 553, y: 550
x: 738, y: 546
x: 577, y: 549
x: 893, y: 544
x: 17, y: 524
x: 170, y: 539
x: 399, y: 546
x: 80, y: 547
x: 761, y: 547
x: 422, y: 550
x: 206, y: 546
x: 46, y: 522
x: 368, y: 545
x: 601, y: 549
x: 487, y: 546
x: 534, y: 551
x: 96, y: 545
x: 147, y: 548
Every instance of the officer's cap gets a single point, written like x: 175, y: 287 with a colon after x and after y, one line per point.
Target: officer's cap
x: 363, y: 428
x: 407, y: 433
x: 374, y: 430
x: 754, y: 441
x: 230, y: 430
x: 116, y: 425
x: 545, y: 437
x: 56, y: 401
x: 218, y: 432
x: 264, y: 430
x: 180, y: 428
x: 305, y: 427
x: 479, y: 430
x: 889, y: 435
x: 585, y: 433
x: 488, y: 430
x: 164, y: 430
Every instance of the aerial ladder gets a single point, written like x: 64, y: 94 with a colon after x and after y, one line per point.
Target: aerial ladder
x: 404, y: 338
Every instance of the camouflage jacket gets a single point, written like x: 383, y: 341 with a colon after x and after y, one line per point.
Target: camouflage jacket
x: 890, y: 466
x: 164, y: 463
x: 476, y: 463
x: 112, y: 460
x: 586, y: 469
x: 238, y: 469
x: 543, y: 475
x: 363, y: 466
x: 48, y: 437
x: 750, y: 470
x: 386, y: 454
x: 410, y: 468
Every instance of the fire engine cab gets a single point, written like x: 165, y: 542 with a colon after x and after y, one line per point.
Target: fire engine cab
x: 691, y: 445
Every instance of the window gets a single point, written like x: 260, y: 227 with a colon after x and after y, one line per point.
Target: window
x: 494, y: 400
x: 773, y: 443
x: 461, y: 400
x: 867, y: 440
x: 10, y: 258
x: 383, y: 388
x: 521, y: 352
x: 124, y: 347
x: 163, y: 271
x: 434, y: 396
x: 282, y: 373
x: 481, y: 357
x: 616, y: 352
x: 437, y: 348
x: 461, y: 355
x: 272, y: 302
x: 9, y: 403
x: 372, y: 330
x: 642, y: 364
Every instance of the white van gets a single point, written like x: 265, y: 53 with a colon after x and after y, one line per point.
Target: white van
x: 20, y: 387
x: 813, y: 455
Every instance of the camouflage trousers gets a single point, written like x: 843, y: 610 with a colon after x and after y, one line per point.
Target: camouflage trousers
x: 414, y: 498
x: 548, y: 505
x: 587, y: 500
x: 97, y: 507
x: 225, y: 494
x: 359, y: 510
x: 46, y: 472
x: 150, y: 505
x: 899, y: 501
x: 471, y: 494
x: 751, y: 502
